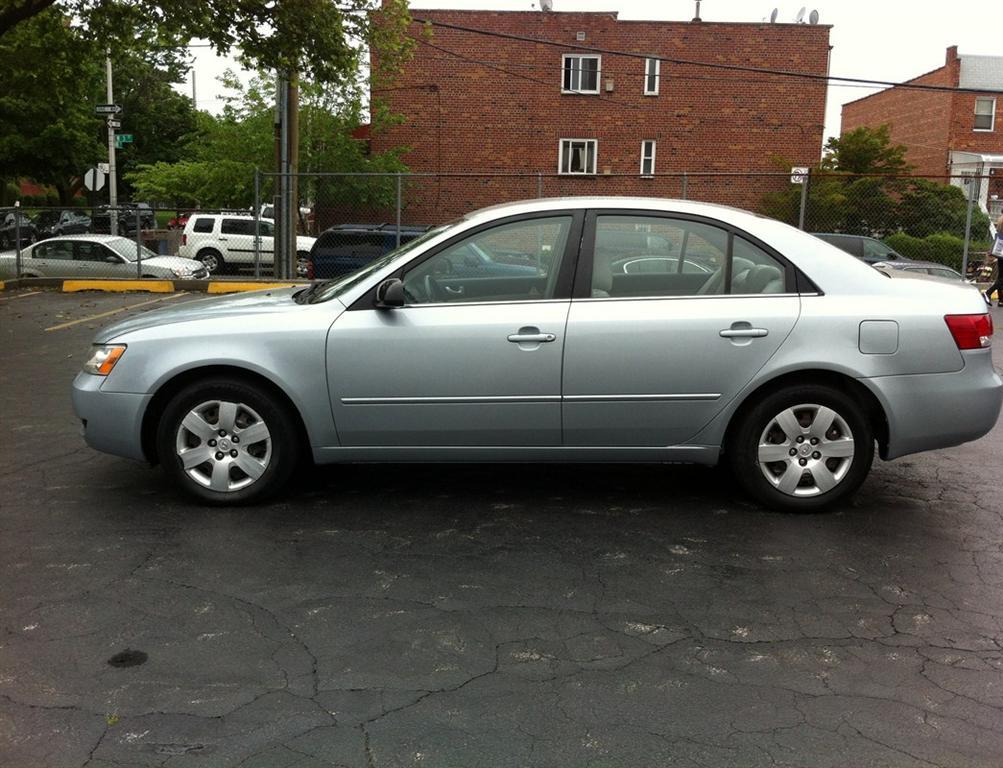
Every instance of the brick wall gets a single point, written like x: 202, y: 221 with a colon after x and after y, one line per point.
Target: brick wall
x: 930, y: 124
x: 507, y: 113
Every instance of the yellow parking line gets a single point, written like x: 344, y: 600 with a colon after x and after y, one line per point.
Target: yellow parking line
x: 61, y: 326
x: 227, y: 286
x: 18, y: 295
x: 151, y: 286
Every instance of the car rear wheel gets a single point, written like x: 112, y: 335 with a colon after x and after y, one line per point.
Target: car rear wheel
x: 212, y: 260
x: 227, y: 442
x: 803, y: 448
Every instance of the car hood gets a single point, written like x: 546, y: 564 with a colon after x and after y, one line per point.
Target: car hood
x: 174, y: 262
x: 272, y: 301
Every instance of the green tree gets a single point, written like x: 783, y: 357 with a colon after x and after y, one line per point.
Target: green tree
x: 48, y: 130
x: 224, y: 151
x: 927, y: 208
x: 865, y: 150
x: 318, y: 38
x: 854, y: 188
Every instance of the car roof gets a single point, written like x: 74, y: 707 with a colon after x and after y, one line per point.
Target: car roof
x: 908, y: 264
x: 97, y: 238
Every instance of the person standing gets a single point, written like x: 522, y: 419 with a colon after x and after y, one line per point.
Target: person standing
x: 998, y: 253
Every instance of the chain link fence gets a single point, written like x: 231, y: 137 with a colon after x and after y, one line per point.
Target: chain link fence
x: 342, y: 221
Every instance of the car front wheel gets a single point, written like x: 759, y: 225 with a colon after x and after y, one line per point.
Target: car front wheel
x: 803, y: 448
x: 227, y: 442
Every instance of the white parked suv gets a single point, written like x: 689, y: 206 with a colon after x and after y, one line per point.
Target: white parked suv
x: 227, y: 240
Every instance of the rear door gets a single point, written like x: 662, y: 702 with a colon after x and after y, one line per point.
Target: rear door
x: 651, y: 357
x: 52, y: 258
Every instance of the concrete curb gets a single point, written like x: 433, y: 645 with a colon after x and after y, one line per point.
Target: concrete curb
x: 118, y: 285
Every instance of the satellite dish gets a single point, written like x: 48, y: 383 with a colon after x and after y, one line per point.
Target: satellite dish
x: 813, y: 17
x: 800, y: 17
x: 546, y: 5
x: 773, y: 16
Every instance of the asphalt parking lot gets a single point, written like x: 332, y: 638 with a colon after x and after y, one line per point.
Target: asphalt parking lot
x: 457, y: 616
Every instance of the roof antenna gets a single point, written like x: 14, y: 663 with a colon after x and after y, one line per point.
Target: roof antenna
x: 697, y: 17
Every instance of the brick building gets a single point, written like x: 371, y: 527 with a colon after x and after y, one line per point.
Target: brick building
x: 946, y: 133
x: 595, y: 122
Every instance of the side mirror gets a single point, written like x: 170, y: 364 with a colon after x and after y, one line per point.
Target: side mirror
x: 390, y: 294
x: 109, y: 259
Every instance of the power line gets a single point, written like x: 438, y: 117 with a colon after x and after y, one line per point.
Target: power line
x: 708, y: 64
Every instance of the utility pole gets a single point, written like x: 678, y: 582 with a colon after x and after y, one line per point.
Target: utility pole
x: 112, y: 180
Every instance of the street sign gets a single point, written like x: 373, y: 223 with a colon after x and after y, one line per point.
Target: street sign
x: 104, y: 167
x: 799, y: 174
x: 114, y: 123
x: 107, y: 109
x: 121, y: 139
x: 94, y: 180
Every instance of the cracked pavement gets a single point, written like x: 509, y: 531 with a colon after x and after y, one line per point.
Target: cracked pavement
x: 455, y: 616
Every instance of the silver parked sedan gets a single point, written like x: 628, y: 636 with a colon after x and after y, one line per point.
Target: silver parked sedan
x: 785, y: 356
x: 98, y: 256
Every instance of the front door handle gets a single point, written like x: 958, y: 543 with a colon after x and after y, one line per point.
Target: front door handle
x: 531, y: 338
x: 744, y: 333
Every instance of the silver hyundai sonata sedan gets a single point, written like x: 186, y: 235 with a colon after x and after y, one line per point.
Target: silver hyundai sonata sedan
x: 742, y: 339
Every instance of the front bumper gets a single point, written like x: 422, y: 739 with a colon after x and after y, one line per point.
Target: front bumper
x: 938, y: 410
x: 112, y: 421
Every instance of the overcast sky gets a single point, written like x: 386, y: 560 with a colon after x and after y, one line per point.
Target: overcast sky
x: 890, y: 40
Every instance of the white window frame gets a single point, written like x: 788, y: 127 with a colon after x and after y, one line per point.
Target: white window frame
x: 992, y: 114
x: 650, y: 174
x: 580, y: 56
x: 657, y: 74
x: 570, y: 143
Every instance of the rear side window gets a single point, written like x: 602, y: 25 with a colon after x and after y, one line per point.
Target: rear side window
x: 202, y: 225
x: 753, y: 270
x: 237, y: 227
x: 657, y: 256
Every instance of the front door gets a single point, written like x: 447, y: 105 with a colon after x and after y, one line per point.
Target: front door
x: 471, y: 360
x: 651, y: 356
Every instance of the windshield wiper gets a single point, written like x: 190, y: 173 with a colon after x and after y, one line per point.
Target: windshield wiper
x: 305, y: 296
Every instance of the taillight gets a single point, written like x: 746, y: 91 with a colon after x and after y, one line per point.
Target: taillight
x: 971, y: 331
x: 309, y: 269
x: 184, y: 239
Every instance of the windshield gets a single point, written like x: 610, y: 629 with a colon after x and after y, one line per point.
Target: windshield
x: 331, y: 288
x: 127, y: 249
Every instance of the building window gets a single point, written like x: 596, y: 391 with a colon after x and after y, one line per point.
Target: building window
x: 652, y: 67
x: 581, y: 74
x: 985, y: 114
x: 647, y: 158
x: 578, y: 156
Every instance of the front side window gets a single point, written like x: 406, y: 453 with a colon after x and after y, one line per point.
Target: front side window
x: 647, y: 158
x: 581, y: 74
x: 985, y: 114
x: 518, y: 261
x: 93, y: 252
x: 638, y: 256
x: 578, y: 156
x: 652, y: 69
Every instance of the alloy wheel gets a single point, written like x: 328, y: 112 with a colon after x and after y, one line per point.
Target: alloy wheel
x: 806, y: 450
x: 223, y: 446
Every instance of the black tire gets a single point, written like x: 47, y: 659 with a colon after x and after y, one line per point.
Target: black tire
x: 212, y: 260
x: 817, y: 465
x: 224, y: 453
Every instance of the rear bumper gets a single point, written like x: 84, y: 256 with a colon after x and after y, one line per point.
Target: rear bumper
x: 112, y: 421
x: 938, y: 410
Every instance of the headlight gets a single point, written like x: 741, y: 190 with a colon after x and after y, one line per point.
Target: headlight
x: 103, y: 358
x: 179, y: 272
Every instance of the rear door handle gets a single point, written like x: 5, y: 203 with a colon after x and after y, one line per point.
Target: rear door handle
x: 744, y: 333
x: 531, y: 338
